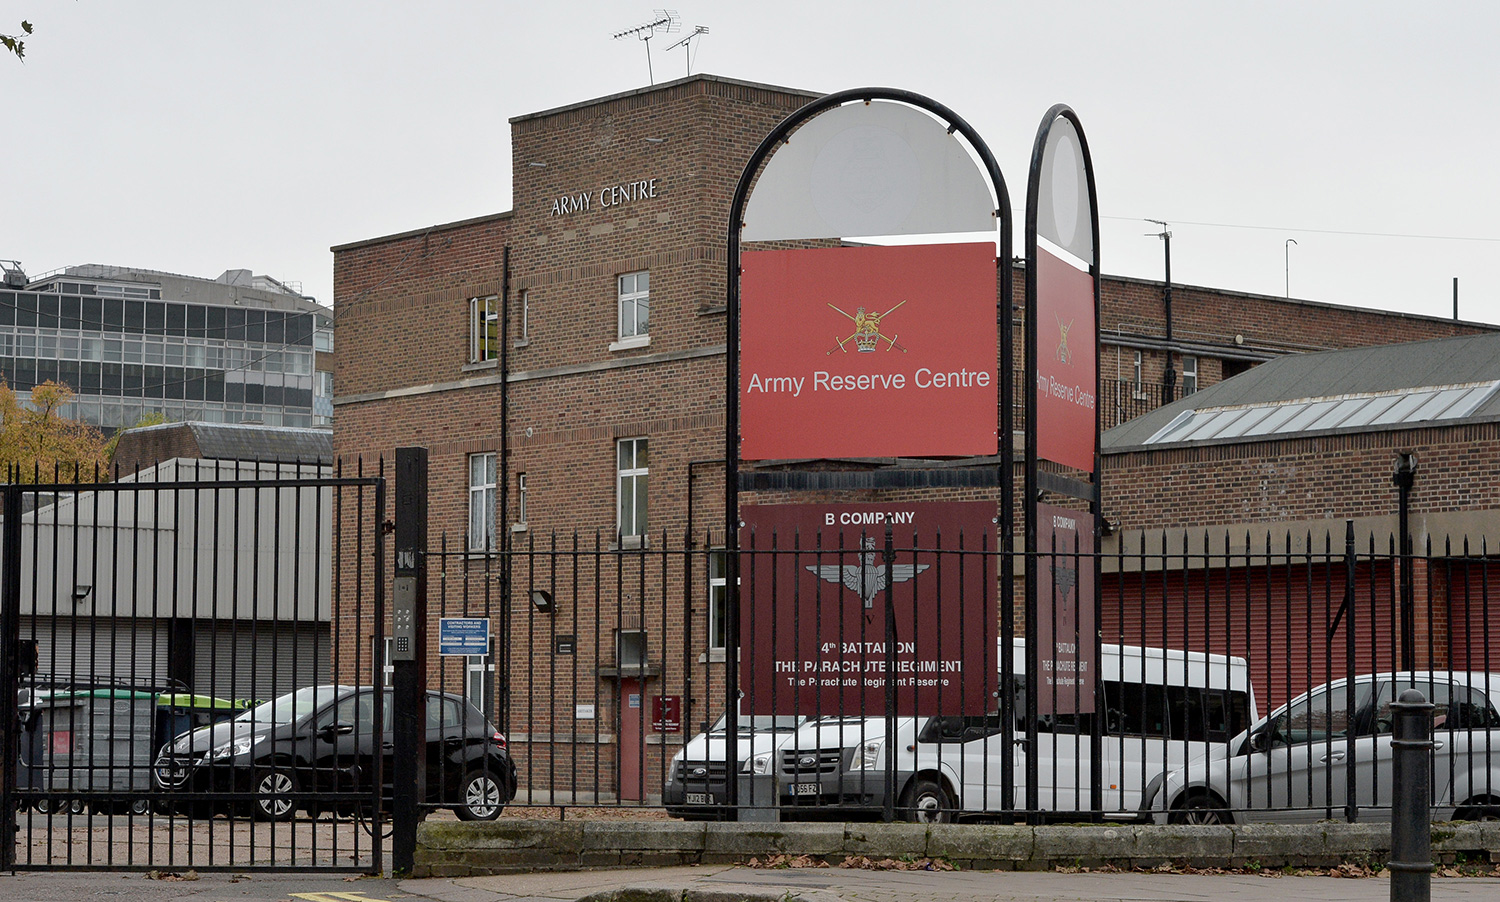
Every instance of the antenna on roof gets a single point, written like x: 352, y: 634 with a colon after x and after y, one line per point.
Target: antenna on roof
x: 665, y: 21
x: 686, y: 45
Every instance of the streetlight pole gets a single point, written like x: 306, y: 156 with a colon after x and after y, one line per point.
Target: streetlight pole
x: 1287, y: 252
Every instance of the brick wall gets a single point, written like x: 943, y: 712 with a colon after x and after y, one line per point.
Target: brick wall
x: 142, y: 448
x: 1296, y: 479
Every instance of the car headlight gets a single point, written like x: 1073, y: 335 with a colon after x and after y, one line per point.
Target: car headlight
x: 761, y: 764
x: 867, y: 755
x: 234, y: 747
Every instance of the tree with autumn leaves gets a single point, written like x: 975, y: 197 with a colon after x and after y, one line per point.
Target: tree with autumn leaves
x: 39, y: 444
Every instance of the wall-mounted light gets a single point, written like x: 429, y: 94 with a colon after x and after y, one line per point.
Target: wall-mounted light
x: 537, y: 165
x: 80, y: 593
x: 655, y: 140
x: 542, y: 601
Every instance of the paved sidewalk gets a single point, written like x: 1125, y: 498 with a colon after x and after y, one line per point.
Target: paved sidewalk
x: 724, y: 883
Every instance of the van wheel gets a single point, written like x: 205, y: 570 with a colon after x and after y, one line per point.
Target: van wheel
x: 927, y: 802
x: 1202, y: 808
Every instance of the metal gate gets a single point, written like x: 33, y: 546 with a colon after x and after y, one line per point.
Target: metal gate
x: 176, y: 689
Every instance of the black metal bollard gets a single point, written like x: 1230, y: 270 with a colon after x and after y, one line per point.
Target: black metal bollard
x: 1411, y: 804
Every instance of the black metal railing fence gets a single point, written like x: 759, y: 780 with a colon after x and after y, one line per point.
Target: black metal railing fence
x: 614, y: 673
x: 146, y: 616
x: 874, y: 679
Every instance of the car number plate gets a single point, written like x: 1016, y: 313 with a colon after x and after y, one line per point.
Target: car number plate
x: 805, y: 789
x: 699, y: 798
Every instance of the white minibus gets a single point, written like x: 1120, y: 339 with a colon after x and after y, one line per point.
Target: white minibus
x: 1160, y: 708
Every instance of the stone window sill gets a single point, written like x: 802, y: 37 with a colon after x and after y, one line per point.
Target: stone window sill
x: 631, y: 343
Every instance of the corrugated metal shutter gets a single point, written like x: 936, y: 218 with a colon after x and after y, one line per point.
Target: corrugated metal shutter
x: 1276, y: 617
x: 1471, y: 589
x: 94, y: 649
x: 259, y: 659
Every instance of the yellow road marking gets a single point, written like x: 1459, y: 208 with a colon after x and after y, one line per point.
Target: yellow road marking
x: 334, y: 897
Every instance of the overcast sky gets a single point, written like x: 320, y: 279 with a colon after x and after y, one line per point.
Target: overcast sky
x: 197, y: 137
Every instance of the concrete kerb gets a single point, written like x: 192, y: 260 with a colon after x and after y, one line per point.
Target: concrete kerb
x: 1084, y: 845
x: 1459, y: 841
x: 1156, y: 846
x: 886, y: 840
x: 447, y: 849
x: 613, y: 844
x: 470, y: 849
x: 990, y: 846
x: 1350, y: 842
x: 657, y: 894
x: 1275, y: 844
x: 627, y: 836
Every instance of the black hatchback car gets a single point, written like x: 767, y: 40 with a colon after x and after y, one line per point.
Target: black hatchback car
x: 314, y: 749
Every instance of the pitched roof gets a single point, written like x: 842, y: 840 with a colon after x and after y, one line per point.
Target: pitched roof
x: 1361, y: 389
x: 226, y: 441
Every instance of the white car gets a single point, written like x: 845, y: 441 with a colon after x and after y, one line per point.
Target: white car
x: 1300, y: 763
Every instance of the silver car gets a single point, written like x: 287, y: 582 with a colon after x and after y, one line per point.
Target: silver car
x: 1301, y: 763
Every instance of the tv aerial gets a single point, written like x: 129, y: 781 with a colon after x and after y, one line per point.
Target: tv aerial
x: 665, y: 21
x: 687, y: 45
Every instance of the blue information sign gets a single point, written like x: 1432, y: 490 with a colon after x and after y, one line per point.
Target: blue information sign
x: 463, y: 636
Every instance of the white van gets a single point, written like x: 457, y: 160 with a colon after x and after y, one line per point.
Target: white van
x: 1162, y: 707
x: 697, y: 786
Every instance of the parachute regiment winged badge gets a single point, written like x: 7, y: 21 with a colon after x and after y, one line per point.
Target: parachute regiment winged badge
x: 868, y: 577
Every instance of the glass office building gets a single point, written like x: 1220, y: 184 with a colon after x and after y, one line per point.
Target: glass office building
x: 238, y: 349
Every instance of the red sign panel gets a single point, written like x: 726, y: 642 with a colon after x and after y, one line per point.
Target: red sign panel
x: 1067, y: 363
x: 868, y: 352
x: 1065, y: 605
x: 813, y: 611
x: 666, y: 713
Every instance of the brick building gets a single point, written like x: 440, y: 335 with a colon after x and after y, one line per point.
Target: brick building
x: 563, y: 362
x: 1227, y: 489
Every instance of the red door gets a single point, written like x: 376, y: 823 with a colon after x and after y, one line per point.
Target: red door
x: 632, y: 713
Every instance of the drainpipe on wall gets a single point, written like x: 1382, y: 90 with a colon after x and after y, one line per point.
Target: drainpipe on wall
x: 1404, y: 477
x: 687, y: 606
x: 502, y: 649
x: 1169, y: 379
